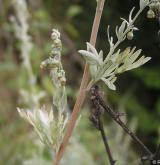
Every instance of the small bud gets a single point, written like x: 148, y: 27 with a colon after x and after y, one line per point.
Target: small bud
x: 59, y: 75
x: 130, y: 35
x: 151, y: 14
x: 42, y: 65
x: 55, y: 34
x: 55, y: 51
x: 63, y: 81
x: 57, y: 43
x: 50, y: 63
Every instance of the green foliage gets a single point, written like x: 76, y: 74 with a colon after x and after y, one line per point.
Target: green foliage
x: 150, y: 77
x: 73, y: 11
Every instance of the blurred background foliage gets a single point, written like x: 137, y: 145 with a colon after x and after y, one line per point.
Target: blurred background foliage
x: 138, y: 92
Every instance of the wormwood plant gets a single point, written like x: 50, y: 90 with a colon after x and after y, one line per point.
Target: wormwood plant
x: 50, y: 125
x: 20, y: 27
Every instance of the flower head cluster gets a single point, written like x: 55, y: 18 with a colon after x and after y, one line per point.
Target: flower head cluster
x: 154, y: 9
x: 50, y: 125
x: 53, y: 63
x: 115, y: 62
x: 21, y: 27
x: 30, y: 97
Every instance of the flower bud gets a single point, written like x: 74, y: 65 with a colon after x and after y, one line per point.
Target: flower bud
x: 151, y: 14
x: 63, y: 81
x: 130, y: 35
x: 55, y: 34
x: 50, y: 63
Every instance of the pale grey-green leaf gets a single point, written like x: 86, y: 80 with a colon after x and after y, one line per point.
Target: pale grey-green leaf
x: 90, y: 57
x: 109, y: 83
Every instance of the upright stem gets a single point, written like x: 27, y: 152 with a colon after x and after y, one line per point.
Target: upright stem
x: 82, y: 90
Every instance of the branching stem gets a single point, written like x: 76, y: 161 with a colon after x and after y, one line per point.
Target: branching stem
x: 117, y: 119
x: 95, y: 118
x: 105, y: 141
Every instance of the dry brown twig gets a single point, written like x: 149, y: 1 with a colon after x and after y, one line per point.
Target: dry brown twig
x: 95, y: 118
x: 82, y: 91
x: 100, y: 104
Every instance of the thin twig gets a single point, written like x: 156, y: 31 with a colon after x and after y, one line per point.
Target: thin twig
x: 95, y: 118
x: 105, y: 141
x: 82, y: 91
x: 155, y: 158
x: 116, y: 117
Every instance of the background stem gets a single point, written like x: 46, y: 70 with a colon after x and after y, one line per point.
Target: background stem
x: 105, y: 141
x: 117, y: 119
x: 82, y: 90
x: 95, y: 117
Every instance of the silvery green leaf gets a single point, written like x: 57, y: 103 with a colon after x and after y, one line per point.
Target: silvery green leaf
x: 128, y: 59
x: 110, y: 82
x: 92, y: 49
x: 123, y: 55
x: 115, y: 56
x: 134, y: 56
x: 139, y: 62
x: 117, y: 33
x: 93, y: 70
x: 122, y: 28
x: 116, y: 61
x: 110, y: 70
x: 129, y: 55
x: 125, y: 21
x: 135, y: 28
x: 101, y: 55
x: 102, y: 69
x: 130, y: 15
x: 110, y: 39
x: 90, y: 57
x: 49, y: 129
x: 62, y: 100
x: 143, y: 4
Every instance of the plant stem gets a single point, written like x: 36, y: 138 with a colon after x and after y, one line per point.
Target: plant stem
x: 105, y: 141
x: 95, y: 118
x: 117, y: 119
x: 82, y: 91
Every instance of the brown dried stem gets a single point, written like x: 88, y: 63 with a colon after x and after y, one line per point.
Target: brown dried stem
x: 116, y: 117
x: 96, y: 120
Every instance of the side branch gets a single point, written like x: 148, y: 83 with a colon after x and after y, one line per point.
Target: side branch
x: 108, y: 150
x: 96, y: 120
x: 116, y: 117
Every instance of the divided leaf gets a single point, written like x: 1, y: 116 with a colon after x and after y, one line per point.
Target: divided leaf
x: 91, y: 55
x: 129, y: 59
x: 113, y: 64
